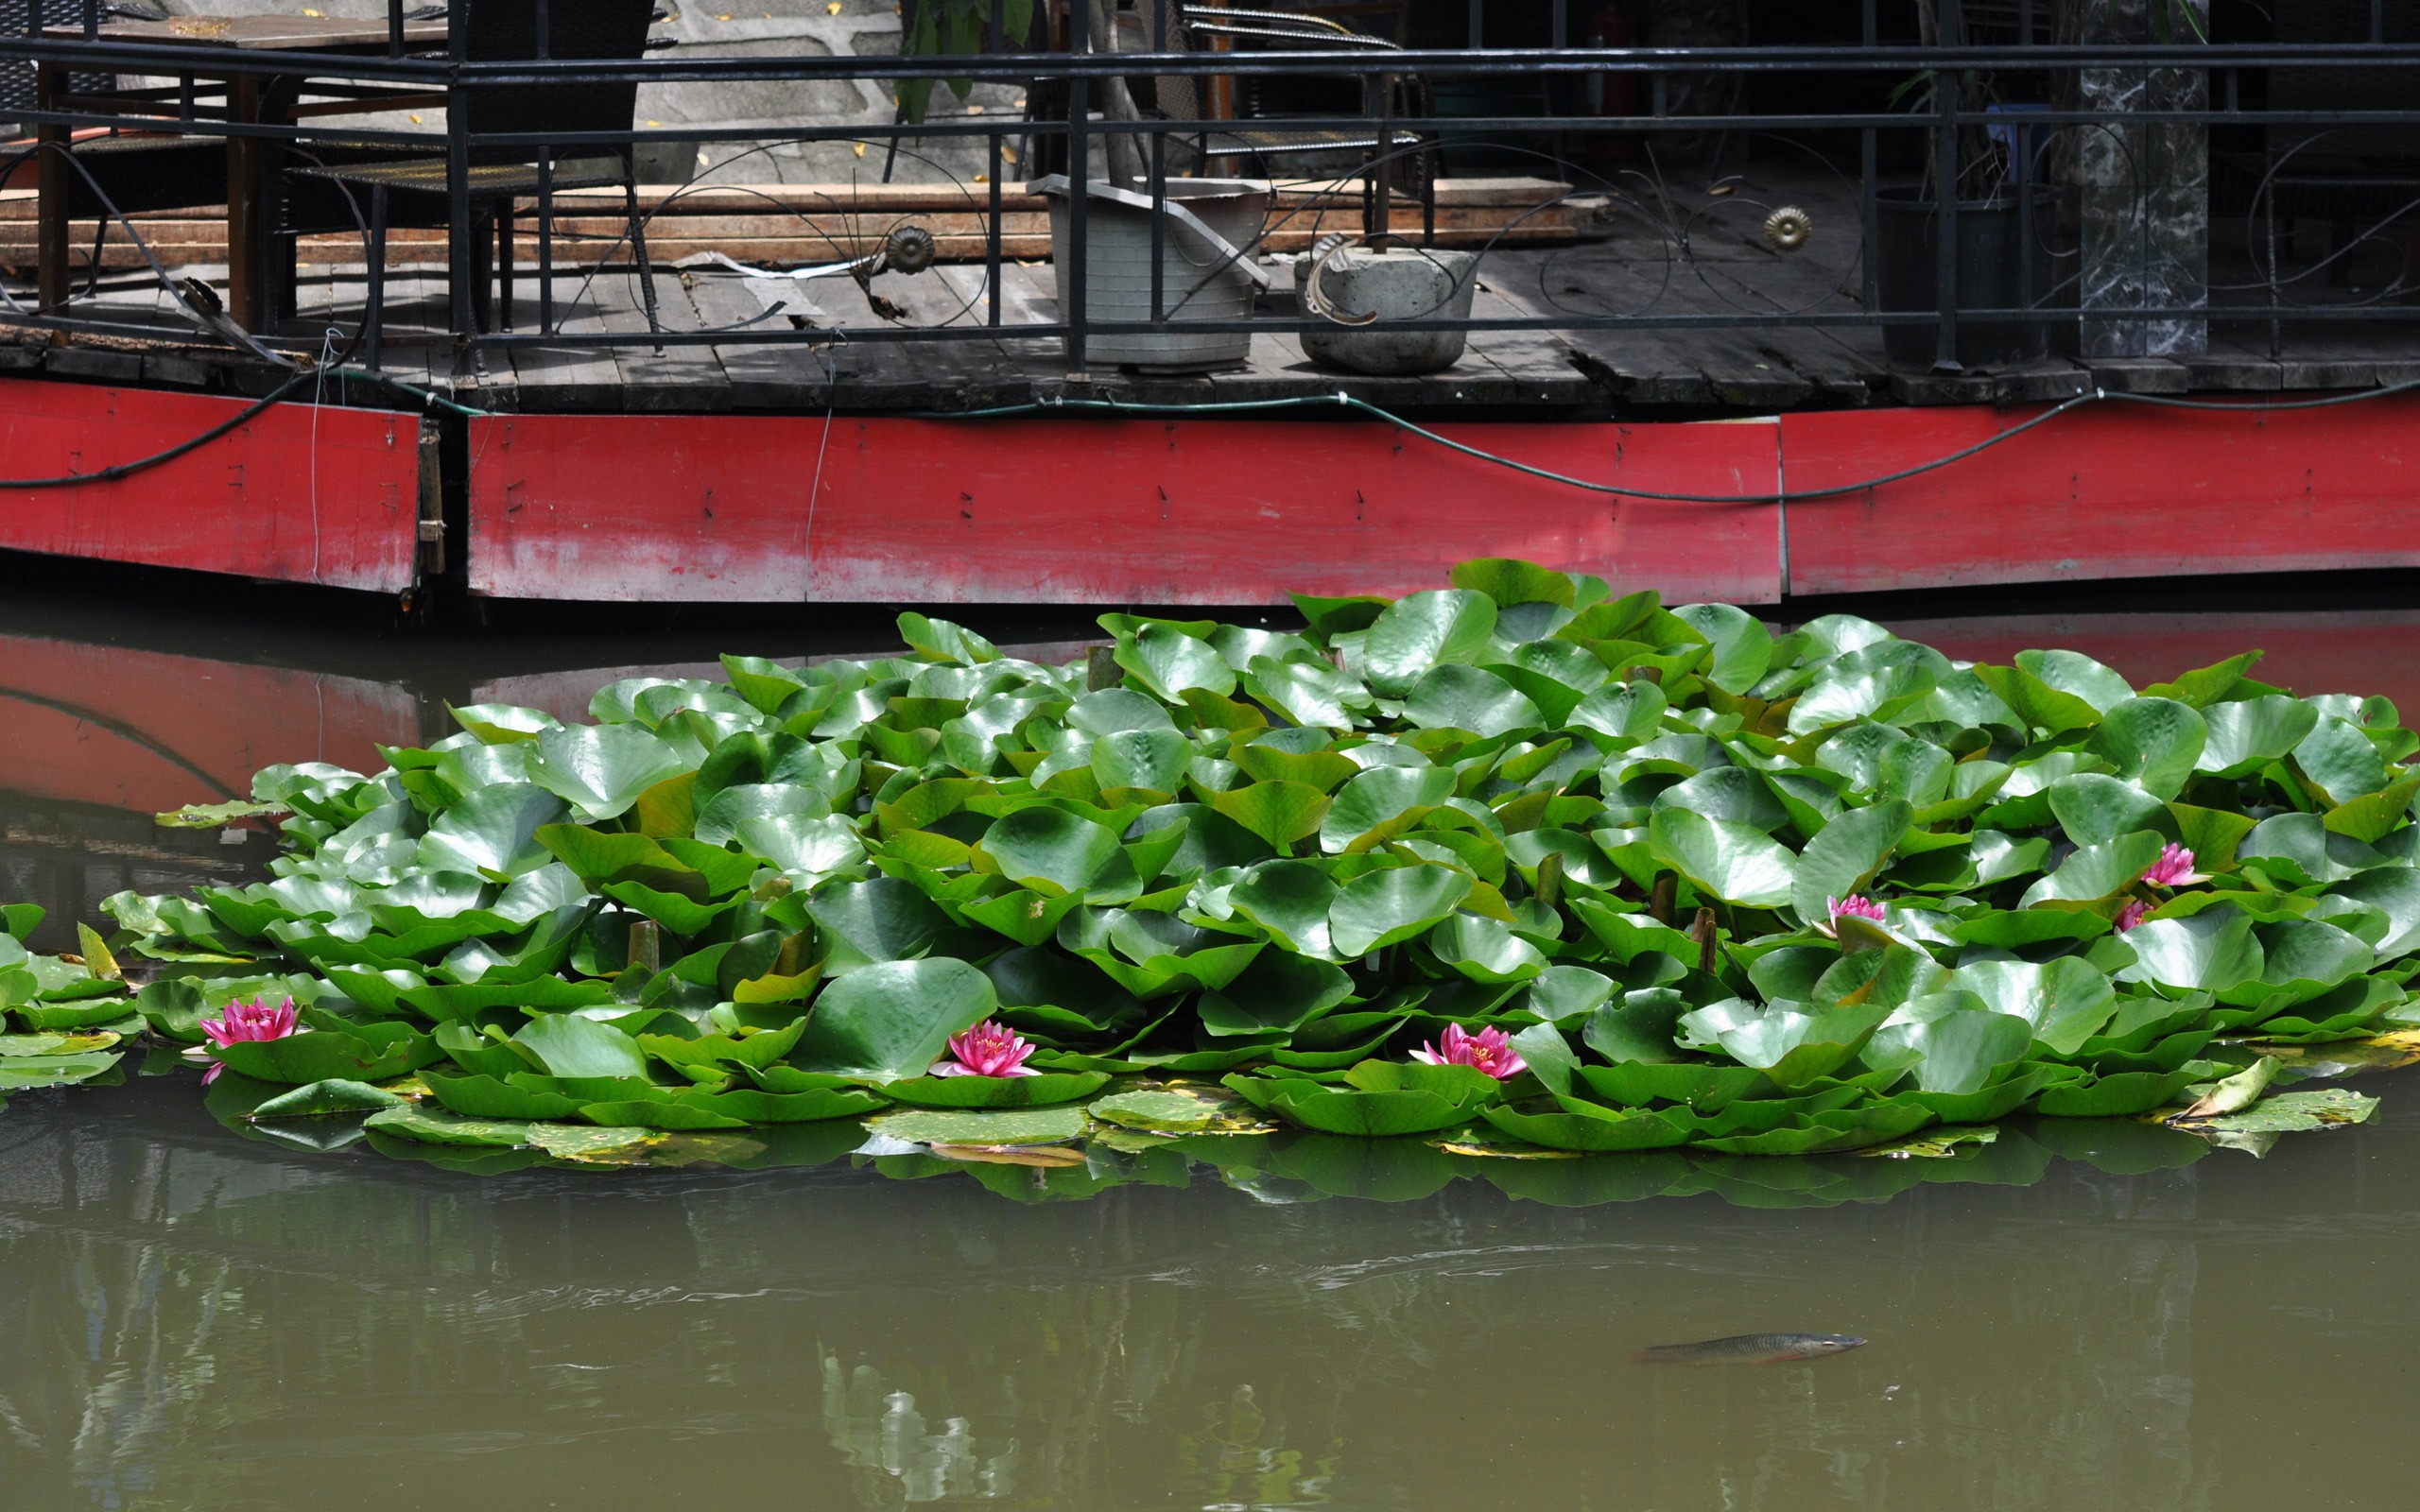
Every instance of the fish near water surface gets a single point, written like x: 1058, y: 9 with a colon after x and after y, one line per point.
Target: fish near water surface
x: 1751, y: 1349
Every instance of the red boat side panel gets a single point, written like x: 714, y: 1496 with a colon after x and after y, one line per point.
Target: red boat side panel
x: 2115, y: 489
x: 1026, y: 510
x: 146, y: 732
x: 329, y: 496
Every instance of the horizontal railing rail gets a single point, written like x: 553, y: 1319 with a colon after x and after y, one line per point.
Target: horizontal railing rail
x: 2054, y: 202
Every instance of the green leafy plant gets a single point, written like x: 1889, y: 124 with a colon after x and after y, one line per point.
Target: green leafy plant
x: 1646, y: 878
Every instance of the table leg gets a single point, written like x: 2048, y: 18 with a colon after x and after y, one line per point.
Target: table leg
x: 248, y: 300
x: 51, y: 171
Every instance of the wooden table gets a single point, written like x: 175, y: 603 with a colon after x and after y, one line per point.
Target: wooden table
x: 251, y: 162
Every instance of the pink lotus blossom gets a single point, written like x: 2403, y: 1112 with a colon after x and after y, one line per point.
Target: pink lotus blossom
x: 989, y: 1049
x: 247, y: 1021
x: 1856, y: 905
x: 2132, y: 913
x: 1489, y: 1051
x: 2174, y: 868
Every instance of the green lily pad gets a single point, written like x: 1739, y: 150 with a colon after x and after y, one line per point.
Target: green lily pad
x: 996, y: 1091
x: 1049, y: 1125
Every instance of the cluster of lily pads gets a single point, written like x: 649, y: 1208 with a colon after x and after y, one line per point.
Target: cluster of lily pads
x: 64, y: 1014
x: 1519, y: 865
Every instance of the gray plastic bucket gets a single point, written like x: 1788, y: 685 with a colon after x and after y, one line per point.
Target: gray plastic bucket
x: 1209, y: 268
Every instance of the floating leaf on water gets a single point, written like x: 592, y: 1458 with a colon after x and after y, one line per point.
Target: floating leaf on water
x: 216, y: 816
x: 1934, y: 1144
x: 1048, y: 1125
x: 326, y: 1097
x: 2291, y: 1113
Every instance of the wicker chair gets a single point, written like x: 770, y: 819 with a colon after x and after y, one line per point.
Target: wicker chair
x: 417, y: 190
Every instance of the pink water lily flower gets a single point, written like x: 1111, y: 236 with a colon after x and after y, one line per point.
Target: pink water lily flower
x: 1489, y: 1051
x: 1856, y: 905
x: 247, y: 1021
x: 989, y: 1049
x: 2132, y: 914
x: 2174, y: 868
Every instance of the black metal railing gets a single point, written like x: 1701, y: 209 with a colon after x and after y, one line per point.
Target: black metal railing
x: 1874, y: 110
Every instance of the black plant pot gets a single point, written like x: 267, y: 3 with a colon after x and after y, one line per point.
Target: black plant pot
x: 1991, y: 241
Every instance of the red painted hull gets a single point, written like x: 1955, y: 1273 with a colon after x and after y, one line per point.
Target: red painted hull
x: 328, y: 496
x: 1092, y: 511
x: 1059, y: 510
x: 2112, y: 490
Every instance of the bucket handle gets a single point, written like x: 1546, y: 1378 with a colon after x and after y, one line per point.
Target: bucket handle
x: 1057, y: 183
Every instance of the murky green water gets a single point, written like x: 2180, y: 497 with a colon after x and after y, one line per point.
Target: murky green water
x: 2083, y: 1316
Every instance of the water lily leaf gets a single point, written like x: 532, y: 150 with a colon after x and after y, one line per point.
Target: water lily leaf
x: 1388, y: 906
x: 2395, y: 892
x: 1485, y: 950
x: 809, y: 1106
x: 2154, y: 743
x: 1732, y: 793
x: 2038, y: 705
x: 2247, y: 734
x: 800, y: 843
x: 1589, y: 1129
x: 1872, y: 681
x: 2370, y: 817
x: 1360, y: 1113
x: 1422, y: 631
x: 299, y: 1060
x: 2093, y: 807
x: 892, y: 1020
x: 1167, y: 662
x: 2296, y: 1112
x: 1049, y: 1125
x: 2067, y: 1001
x: 1468, y: 698
x: 1959, y: 1053
x: 1150, y: 759
x: 730, y: 813
x: 1842, y: 1130
x: 429, y: 1126
x: 1381, y: 804
x: 1851, y: 849
x: 482, y: 1096
x: 1308, y: 693
x: 1742, y: 645
x: 1175, y: 1109
x: 1277, y: 993
x: 1290, y: 899
x: 2073, y: 672
x: 1278, y: 812
x: 2340, y: 760
x: 601, y: 769
x: 1051, y: 851
x: 2097, y: 872
x: 568, y: 1045
x: 1726, y: 861
x: 494, y: 833
x: 681, y: 1115
x: 1627, y: 710
x: 1790, y: 1046
x: 882, y: 920
x: 499, y: 723
x: 1043, y: 1091
x: 2119, y: 1096
x: 2214, y: 950
x: 1511, y: 581
x: 324, y: 1097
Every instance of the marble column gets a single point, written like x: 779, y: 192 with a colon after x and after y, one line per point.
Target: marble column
x: 2143, y: 191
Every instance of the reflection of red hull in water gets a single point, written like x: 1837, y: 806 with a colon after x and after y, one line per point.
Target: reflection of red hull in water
x: 2362, y: 653
x: 145, y: 730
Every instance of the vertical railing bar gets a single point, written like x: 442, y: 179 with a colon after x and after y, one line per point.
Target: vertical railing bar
x: 1562, y: 23
x: 1869, y: 167
x: 1479, y: 26
x: 394, y: 29
x: 93, y: 17
x: 546, y: 196
x: 1945, y: 199
x: 1159, y: 185
x: 991, y: 259
x: 1080, y: 190
x: 457, y: 180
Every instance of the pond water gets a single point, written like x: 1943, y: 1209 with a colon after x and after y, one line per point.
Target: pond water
x: 2083, y: 1316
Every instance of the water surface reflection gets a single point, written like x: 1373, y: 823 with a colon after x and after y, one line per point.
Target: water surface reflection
x: 200, y: 1321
